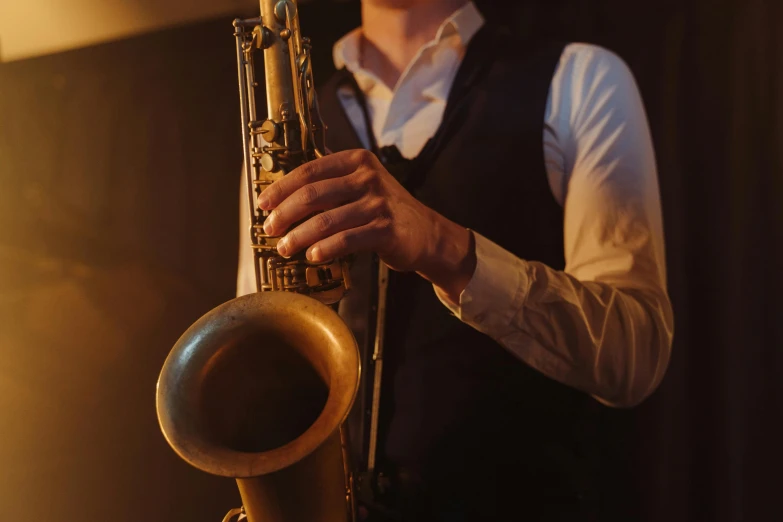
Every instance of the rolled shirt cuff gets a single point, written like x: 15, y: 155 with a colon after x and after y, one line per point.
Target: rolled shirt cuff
x: 495, y: 293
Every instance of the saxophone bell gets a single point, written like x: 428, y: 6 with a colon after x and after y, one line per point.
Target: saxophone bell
x: 257, y: 390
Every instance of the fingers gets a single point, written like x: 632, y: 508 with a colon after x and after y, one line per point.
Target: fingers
x: 360, y: 239
x: 331, y: 166
x: 323, y: 225
x: 321, y: 195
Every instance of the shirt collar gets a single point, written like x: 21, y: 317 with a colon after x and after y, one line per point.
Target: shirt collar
x: 465, y: 21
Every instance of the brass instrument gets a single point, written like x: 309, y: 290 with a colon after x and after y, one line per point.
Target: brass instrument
x: 258, y: 388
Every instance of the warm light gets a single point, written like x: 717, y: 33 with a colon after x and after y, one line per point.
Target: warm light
x: 46, y: 26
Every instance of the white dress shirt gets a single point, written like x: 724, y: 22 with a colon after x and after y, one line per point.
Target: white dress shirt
x: 603, y: 325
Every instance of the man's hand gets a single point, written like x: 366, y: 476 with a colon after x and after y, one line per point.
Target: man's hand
x: 363, y: 208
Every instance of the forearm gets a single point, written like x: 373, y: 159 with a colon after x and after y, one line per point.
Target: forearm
x: 450, y: 259
x: 608, y: 340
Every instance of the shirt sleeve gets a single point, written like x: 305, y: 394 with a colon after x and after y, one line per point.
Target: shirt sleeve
x: 246, y: 279
x: 603, y: 325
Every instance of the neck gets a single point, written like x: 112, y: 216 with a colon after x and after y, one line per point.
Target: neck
x: 394, y: 30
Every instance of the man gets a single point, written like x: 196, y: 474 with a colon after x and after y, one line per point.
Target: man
x: 522, y: 223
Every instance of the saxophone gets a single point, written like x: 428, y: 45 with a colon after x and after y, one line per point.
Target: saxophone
x: 258, y: 389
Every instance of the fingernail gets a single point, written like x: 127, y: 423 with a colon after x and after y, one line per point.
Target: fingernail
x: 263, y: 201
x: 314, y: 254
x: 282, y: 247
x: 269, y: 224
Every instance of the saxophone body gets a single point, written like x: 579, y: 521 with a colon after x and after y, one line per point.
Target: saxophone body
x: 258, y: 389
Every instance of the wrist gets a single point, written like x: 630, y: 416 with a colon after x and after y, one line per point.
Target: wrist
x: 450, y: 258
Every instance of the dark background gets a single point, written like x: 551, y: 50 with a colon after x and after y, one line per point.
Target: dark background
x: 119, y: 176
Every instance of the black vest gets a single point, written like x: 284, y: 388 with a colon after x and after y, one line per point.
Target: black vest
x: 469, y: 432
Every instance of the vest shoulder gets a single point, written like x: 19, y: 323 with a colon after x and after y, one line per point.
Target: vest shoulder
x: 515, y: 52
